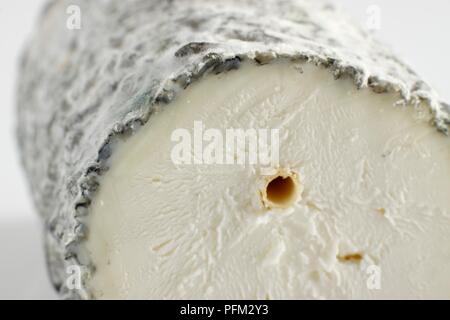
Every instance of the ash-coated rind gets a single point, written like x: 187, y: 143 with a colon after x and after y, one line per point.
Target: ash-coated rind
x: 82, y: 90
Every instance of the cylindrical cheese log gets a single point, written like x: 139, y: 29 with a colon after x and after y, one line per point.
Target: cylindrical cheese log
x: 355, y: 206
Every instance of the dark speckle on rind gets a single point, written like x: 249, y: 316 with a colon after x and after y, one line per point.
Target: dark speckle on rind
x: 128, y: 60
x: 105, y: 152
x: 164, y: 97
x: 183, y: 80
x: 376, y: 86
x: 193, y: 48
x: 228, y: 65
x: 263, y: 58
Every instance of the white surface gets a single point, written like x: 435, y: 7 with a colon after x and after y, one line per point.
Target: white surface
x: 416, y: 29
x: 208, y: 228
x: 22, y: 266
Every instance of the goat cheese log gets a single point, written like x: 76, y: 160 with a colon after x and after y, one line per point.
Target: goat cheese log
x: 123, y: 127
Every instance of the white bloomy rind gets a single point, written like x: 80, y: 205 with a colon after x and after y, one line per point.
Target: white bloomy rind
x: 82, y: 90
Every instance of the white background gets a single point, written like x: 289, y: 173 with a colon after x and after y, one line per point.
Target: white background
x: 418, y: 31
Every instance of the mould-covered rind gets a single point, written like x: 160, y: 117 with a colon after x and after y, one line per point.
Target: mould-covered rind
x: 81, y: 90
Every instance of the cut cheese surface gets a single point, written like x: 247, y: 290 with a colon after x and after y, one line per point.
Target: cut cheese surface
x: 365, y: 212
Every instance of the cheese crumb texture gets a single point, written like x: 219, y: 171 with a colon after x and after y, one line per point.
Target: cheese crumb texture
x: 367, y: 216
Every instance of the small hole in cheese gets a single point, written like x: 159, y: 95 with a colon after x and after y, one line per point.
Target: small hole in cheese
x: 281, y: 191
